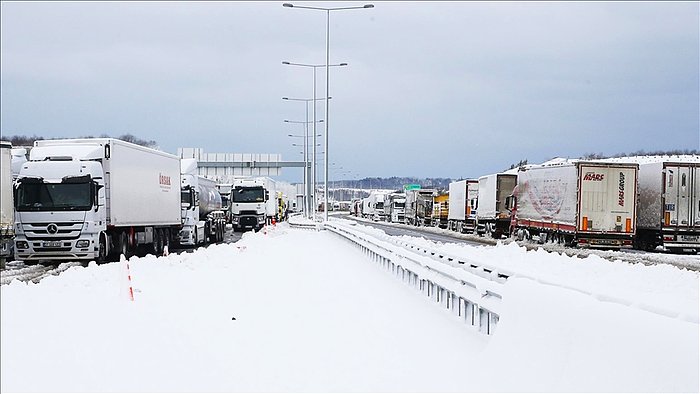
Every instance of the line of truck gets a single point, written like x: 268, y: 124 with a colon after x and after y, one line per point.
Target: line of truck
x: 642, y: 203
x: 98, y: 198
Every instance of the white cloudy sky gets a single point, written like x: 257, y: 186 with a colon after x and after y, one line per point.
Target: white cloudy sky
x: 451, y: 89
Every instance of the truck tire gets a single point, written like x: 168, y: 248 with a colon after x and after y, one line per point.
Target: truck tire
x: 166, y: 239
x: 124, y: 245
x: 102, y: 250
x: 156, y: 248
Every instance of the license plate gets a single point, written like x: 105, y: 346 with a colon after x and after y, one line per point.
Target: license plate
x: 52, y: 244
x: 689, y: 238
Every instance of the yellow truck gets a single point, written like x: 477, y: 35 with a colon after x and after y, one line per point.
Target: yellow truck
x: 441, y: 207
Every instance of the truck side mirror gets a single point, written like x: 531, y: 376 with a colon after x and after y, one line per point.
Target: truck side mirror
x: 267, y: 195
x: 97, y: 188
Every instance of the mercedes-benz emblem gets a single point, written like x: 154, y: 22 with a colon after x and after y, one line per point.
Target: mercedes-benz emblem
x: 52, y: 228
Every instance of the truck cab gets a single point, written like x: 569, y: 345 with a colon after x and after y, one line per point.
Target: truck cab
x: 60, y: 210
x: 248, y: 204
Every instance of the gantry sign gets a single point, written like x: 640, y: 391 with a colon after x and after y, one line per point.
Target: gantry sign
x: 225, y: 167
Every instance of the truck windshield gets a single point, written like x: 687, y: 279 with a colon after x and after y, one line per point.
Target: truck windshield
x: 399, y: 205
x: 248, y: 194
x: 54, y: 197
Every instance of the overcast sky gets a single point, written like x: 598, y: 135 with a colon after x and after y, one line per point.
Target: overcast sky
x: 453, y: 89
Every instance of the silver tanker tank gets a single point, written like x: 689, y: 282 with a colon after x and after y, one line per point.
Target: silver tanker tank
x: 209, y: 198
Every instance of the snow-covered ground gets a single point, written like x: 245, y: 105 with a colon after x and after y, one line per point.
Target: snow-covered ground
x: 299, y: 310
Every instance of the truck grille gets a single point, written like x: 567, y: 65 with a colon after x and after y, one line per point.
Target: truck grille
x: 41, y: 231
x: 249, y: 221
x: 253, y: 213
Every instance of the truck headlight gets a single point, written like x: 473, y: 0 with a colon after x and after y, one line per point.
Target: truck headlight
x: 22, y: 245
x: 83, y: 243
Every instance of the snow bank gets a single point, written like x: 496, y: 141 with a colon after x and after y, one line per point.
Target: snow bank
x: 314, y: 314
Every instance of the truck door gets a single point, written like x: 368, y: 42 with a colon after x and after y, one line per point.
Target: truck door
x: 680, y: 209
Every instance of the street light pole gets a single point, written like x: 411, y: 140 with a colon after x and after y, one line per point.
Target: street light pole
x: 313, y: 158
x: 328, y: 20
x: 307, y: 170
x: 306, y: 126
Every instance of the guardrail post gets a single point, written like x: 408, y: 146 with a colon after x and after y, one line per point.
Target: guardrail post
x: 493, y: 322
x: 483, y: 320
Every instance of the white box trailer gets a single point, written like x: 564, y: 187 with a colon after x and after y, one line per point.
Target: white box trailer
x: 492, y: 216
x: 84, y: 199
x: 7, y: 209
x: 464, y: 195
x: 586, y: 203
x: 669, y: 205
x: 419, y: 206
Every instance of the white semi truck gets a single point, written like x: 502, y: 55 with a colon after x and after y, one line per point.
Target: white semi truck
x: 94, y: 198
x: 464, y: 195
x: 254, y: 202
x: 492, y: 217
x: 395, y: 207
x: 7, y: 211
x: 203, y: 218
x: 669, y: 204
x: 589, y: 204
x: 376, y: 206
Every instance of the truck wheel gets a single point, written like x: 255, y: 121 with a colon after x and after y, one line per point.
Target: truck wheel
x: 124, y: 245
x: 166, y: 239
x: 156, y: 242
x: 102, y: 250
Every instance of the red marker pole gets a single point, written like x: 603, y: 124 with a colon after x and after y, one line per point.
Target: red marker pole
x: 131, y: 290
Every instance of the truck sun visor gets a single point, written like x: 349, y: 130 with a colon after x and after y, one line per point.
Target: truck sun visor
x: 31, y: 180
x: 77, y: 179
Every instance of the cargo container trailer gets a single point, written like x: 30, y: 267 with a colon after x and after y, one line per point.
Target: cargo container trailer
x: 589, y: 204
x: 669, y: 205
x: 492, y: 216
x: 461, y: 216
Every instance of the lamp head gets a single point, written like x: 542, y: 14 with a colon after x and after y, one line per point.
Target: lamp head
x: 365, y: 6
x: 289, y: 5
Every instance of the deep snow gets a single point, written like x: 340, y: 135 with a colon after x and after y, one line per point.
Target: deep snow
x: 313, y: 314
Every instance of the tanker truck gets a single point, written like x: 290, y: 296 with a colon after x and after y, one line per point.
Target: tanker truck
x: 94, y: 199
x: 203, y: 219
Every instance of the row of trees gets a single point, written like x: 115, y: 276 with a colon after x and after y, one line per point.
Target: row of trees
x: 673, y: 152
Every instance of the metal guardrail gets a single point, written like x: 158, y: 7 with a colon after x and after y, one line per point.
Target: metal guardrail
x: 455, y: 275
x: 471, y: 292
